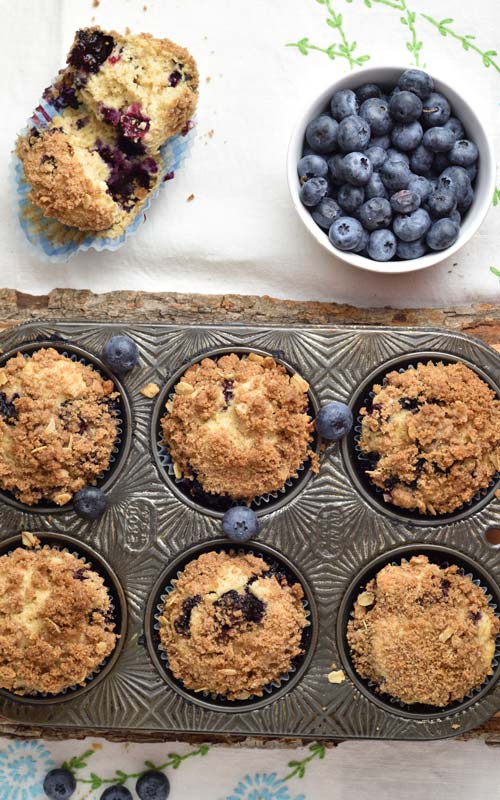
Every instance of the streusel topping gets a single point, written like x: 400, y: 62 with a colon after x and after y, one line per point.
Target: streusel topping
x: 433, y: 436
x: 423, y: 633
x: 56, y: 622
x: 232, y: 625
x: 58, y: 426
x: 239, y: 426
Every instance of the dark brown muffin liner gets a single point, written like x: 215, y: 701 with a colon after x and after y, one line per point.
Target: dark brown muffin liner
x: 357, y: 463
x: 123, y: 417
x: 190, y: 491
x: 443, y: 556
x: 118, y: 609
x: 272, y: 691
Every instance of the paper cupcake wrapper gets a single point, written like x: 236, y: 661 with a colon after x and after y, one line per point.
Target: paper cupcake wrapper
x: 56, y: 242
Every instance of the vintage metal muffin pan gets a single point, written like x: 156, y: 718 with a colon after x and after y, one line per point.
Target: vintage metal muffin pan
x: 328, y: 526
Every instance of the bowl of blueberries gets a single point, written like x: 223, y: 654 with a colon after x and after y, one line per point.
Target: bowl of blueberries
x: 391, y: 169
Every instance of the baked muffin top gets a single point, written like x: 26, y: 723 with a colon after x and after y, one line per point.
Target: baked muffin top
x: 58, y: 426
x: 433, y: 435
x: 231, y: 625
x: 423, y: 633
x: 56, y: 622
x: 239, y: 425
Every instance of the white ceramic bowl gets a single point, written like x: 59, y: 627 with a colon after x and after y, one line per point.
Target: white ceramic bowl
x: 484, y: 186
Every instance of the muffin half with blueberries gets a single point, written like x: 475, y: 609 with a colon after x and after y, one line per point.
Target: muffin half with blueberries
x: 56, y: 621
x: 423, y: 633
x: 231, y: 625
x: 432, y: 435
x: 58, y: 426
x: 239, y: 426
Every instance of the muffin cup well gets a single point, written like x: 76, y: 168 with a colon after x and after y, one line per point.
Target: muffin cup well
x: 356, y: 463
x: 123, y: 440
x: 59, y: 541
x: 272, y: 691
x: 190, y: 492
x: 443, y: 556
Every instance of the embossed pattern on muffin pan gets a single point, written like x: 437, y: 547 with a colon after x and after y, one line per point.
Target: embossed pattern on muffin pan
x: 328, y: 530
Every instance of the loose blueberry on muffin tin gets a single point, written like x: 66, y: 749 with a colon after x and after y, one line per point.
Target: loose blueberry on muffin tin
x: 58, y: 426
x: 422, y: 633
x: 432, y: 436
x: 389, y: 176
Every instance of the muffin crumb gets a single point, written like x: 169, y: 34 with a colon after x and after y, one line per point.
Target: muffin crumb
x: 150, y: 390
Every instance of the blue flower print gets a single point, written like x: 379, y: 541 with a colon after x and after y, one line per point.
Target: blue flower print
x: 23, y: 766
x: 262, y: 787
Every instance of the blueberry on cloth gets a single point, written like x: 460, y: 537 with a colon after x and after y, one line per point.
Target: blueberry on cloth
x: 375, y: 187
x: 407, y: 136
x: 321, y: 134
x: 443, y: 234
x: 90, y: 503
x: 368, y: 90
x: 326, y: 212
x: 350, y: 197
x: 353, y: 134
x: 343, y: 104
x: 59, y: 784
x: 375, y: 111
x: 457, y: 179
x: 375, y: 213
x: 410, y: 250
x: 416, y: 81
x: 405, y: 201
x: 436, y: 110
x: 405, y: 107
x: 377, y: 156
x: 312, y: 166
x: 441, y: 203
x: 357, y: 168
x: 120, y: 353
x: 346, y: 233
x: 335, y: 167
x: 334, y: 420
x: 240, y: 524
x: 464, y: 153
x: 116, y: 792
x: 439, y: 139
x: 410, y: 227
x: 454, y: 125
x: 420, y: 185
x: 382, y: 245
x: 313, y: 190
x: 421, y: 160
x: 153, y: 785
x: 395, y: 175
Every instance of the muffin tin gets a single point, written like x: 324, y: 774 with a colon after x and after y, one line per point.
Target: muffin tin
x: 327, y: 527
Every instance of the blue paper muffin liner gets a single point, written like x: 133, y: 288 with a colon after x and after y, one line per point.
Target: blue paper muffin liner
x: 56, y: 242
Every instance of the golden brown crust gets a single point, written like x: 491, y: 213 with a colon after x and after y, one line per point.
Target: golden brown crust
x: 239, y: 425
x: 229, y: 627
x: 56, y: 623
x: 434, y: 432
x: 422, y: 633
x: 57, y: 426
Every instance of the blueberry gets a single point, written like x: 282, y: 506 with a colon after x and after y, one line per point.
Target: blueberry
x: 397, y: 155
x: 240, y: 523
x: 443, y: 234
x: 410, y: 227
x: 436, y: 110
x: 420, y: 185
x: 454, y: 125
x: 377, y: 156
x: 456, y: 217
x: 375, y: 112
x: 381, y: 141
x: 91, y: 49
x: 362, y: 247
x: 350, y: 197
x: 410, y: 250
x: 421, y: 160
x: 312, y: 166
x: 405, y: 201
x: 343, y: 104
x: 395, y: 175
x: 405, y: 107
x: 335, y: 164
x: 313, y: 191
x: 367, y: 91
x: 407, y: 136
x: 117, y: 792
x: 120, y: 353
x: 440, y: 163
x: 153, y: 785
x: 441, y: 203
x: 346, y: 233
x: 357, y: 169
x: 457, y: 179
x: 464, y: 153
x: 59, y: 784
x: 382, y: 245
x: 326, y: 212
x: 334, y: 420
x: 375, y: 187
x: 416, y: 81
x: 439, y: 139
x: 90, y: 502
x: 321, y: 134
x: 354, y: 134
x: 472, y: 172
x: 375, y: 213
x: 465, y: 203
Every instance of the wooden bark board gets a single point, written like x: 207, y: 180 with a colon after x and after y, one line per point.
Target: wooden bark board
x: 481, y: 320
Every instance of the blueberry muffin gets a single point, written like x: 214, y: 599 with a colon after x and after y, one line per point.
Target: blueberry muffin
x: 239, y: 426
x: 432, y: 435
x: 56, y: 621
x: 58, y: 426
x: 423, y: 633
x: 120, y: 98
x: 232, y: 625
